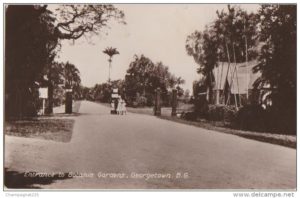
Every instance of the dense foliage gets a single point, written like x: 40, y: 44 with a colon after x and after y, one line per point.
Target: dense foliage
x: 32, y: 40
x: 268, y: 36
x: 277, y: 31
x: 230, y: 38
x: 29, y: 48
x: 144, y: 77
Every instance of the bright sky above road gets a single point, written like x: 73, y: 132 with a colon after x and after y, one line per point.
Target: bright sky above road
x: 158, y: 31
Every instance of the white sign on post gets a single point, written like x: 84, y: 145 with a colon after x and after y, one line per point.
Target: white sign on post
x: 43, y: 93
x: 115, y: 90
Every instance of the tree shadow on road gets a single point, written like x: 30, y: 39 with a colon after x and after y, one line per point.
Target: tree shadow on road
x: 17, y: 180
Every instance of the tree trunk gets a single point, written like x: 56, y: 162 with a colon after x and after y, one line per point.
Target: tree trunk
x: 49, y: 109
x: 210, y: 87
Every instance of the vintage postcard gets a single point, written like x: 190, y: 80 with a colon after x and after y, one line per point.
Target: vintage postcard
x: 150, y: 96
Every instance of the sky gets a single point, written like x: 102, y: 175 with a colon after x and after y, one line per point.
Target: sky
x: 158, y: 31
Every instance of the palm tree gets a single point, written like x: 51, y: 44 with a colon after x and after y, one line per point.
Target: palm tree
x: 110, y: 52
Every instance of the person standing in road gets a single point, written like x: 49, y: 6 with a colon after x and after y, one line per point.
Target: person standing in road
x: 116, y: 105
x: 112, y: 107
x: 119, y: 107
x: 123, y: 106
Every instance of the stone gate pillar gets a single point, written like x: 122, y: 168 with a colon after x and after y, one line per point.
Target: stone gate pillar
x: 157, y: 103
x: 174, y: 102
x: 68, y: 102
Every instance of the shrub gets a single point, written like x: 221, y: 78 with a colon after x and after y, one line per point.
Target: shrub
x: 251, y: 117
x: 215, y: 113
x: 134, y: 104
x: 230, y: 113
x: 192, y: 116
x: 221, y: 113
x: 141, y: 101
x: 281, y: 120
x: 150, y: 100
x: 201, y: 107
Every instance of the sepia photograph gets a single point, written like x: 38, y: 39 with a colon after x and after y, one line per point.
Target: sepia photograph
x: 137, y: 96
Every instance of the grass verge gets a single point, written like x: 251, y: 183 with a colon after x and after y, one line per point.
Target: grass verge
x: 47, y: 128
x: 279, y: 139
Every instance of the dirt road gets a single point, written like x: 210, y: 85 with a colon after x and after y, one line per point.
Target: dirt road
x: 140, y: 151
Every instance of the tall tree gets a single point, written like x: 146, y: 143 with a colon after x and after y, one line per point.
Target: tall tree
x: 110, y: 52
x: 71, y: 76
x: 143, y: 77
x: 277, y: 59
x: 235, y: 28
x: 230, y: 38
x: 76, y: 20
x: 139, y: 71
x: 29, y: 47
x: 204, y: 48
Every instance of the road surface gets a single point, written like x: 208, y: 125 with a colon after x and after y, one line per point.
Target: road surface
x: 144, y: 152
